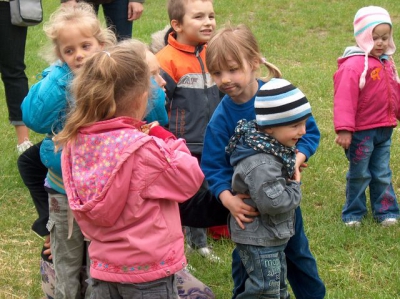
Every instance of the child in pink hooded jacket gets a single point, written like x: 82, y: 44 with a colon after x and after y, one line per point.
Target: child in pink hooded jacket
x: 366, y: 109
x: 123, y: 185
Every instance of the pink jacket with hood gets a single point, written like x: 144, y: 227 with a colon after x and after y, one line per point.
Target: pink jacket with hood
x: 376, y: 104
x: 124, y: 188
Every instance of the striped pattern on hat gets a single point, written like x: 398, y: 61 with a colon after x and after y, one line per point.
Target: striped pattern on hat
x: 365, y: 20
x: 279, y: 103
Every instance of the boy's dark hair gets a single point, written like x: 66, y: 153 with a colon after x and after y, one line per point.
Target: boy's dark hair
x: 176, y: 9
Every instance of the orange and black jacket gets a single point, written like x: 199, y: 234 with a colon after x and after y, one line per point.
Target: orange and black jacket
x: 192, y: 95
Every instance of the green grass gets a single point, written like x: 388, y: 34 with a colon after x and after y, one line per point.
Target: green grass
x: 304, y: 39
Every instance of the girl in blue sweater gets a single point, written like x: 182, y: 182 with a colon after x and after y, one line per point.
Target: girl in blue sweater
x: 233, y: 59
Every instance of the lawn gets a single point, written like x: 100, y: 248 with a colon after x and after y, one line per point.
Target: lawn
x: 304, y: 39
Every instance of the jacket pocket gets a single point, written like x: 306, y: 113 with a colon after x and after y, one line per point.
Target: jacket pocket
x: 274, y: 190
x: 283, y: 225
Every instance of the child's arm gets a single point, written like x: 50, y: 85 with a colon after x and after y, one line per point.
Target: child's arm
x: 345, y: 101
x: 180, y: 176
x: 238, y: 209
x: 218, y: 172
x: 46, y: 100
x: 306, y: 146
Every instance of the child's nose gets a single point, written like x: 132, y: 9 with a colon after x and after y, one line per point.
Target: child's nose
x: 79, y: 55
x: 225, y: 79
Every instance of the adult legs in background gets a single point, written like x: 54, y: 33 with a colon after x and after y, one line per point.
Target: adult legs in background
x: 116, y: 15
x: 12, y: 69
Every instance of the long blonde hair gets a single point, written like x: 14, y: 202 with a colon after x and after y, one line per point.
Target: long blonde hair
x: 110, y: 83
x: 81, y: 15
x: 237, y: 43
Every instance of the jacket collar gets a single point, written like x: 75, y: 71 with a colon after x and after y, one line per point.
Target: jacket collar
x: 183, y: 47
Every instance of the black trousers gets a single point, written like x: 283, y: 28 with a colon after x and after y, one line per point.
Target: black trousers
x: 12, y: 65
x: 33, y: 174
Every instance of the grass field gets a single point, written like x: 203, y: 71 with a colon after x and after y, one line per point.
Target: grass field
x: 304, y: 39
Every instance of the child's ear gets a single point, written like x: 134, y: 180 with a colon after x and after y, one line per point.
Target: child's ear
x: 176, y: 26
x: 255, y: 64
x: 269, y: 131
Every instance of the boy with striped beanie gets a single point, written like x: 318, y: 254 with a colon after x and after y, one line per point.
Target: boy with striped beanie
x: 262, y: 153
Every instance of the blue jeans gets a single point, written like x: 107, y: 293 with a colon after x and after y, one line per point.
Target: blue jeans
x: 266, y: 269
x: 369, y: 158
x: 302, y: 272
x: 116, y: 15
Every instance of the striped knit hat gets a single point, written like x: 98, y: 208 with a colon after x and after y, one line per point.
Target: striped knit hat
x: 279, y: 103
x: 365, y: 20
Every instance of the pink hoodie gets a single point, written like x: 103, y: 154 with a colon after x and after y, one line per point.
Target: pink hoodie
x: 124, y: 187
x: 374, y: 106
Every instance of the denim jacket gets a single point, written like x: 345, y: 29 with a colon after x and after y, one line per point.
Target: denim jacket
x: 265, y: 179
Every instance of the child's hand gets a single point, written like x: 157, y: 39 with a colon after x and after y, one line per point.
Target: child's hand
x: 343, y: 138
x: 238, y: 209
x: 299, y: 166
x: 146, y: 127
x: 47, y: 245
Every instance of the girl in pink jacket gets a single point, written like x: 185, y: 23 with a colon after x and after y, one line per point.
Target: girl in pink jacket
x: 366, y: 109
x: 124, y: 185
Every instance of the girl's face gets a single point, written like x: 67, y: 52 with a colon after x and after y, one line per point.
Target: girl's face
x: 154, y: 67
x: 381, y: 36
x: 288, y: 135
x: 240, y: 84
x: 74, y: 46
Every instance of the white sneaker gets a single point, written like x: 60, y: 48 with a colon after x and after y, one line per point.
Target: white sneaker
x: 354, y: 223
x: 208, y: 254
x: 389, y: 222
x: 24, y: 146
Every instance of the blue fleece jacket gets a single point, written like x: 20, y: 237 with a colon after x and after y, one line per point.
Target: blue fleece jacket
x: 43, y: 111
x: 215, y: 162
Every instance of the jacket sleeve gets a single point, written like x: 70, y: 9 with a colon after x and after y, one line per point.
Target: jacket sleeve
x: 345, y: 101
x: 214, y: 161
x: 271, y: 192
x: 308, y: 144
x: 180, y: 176
x: 46, y: 101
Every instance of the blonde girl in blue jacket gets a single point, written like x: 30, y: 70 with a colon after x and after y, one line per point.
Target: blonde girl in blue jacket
x: 75, y: 33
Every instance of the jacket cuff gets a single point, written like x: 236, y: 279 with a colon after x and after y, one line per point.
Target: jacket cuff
x: 139, y: 1
x: 162, y: 133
